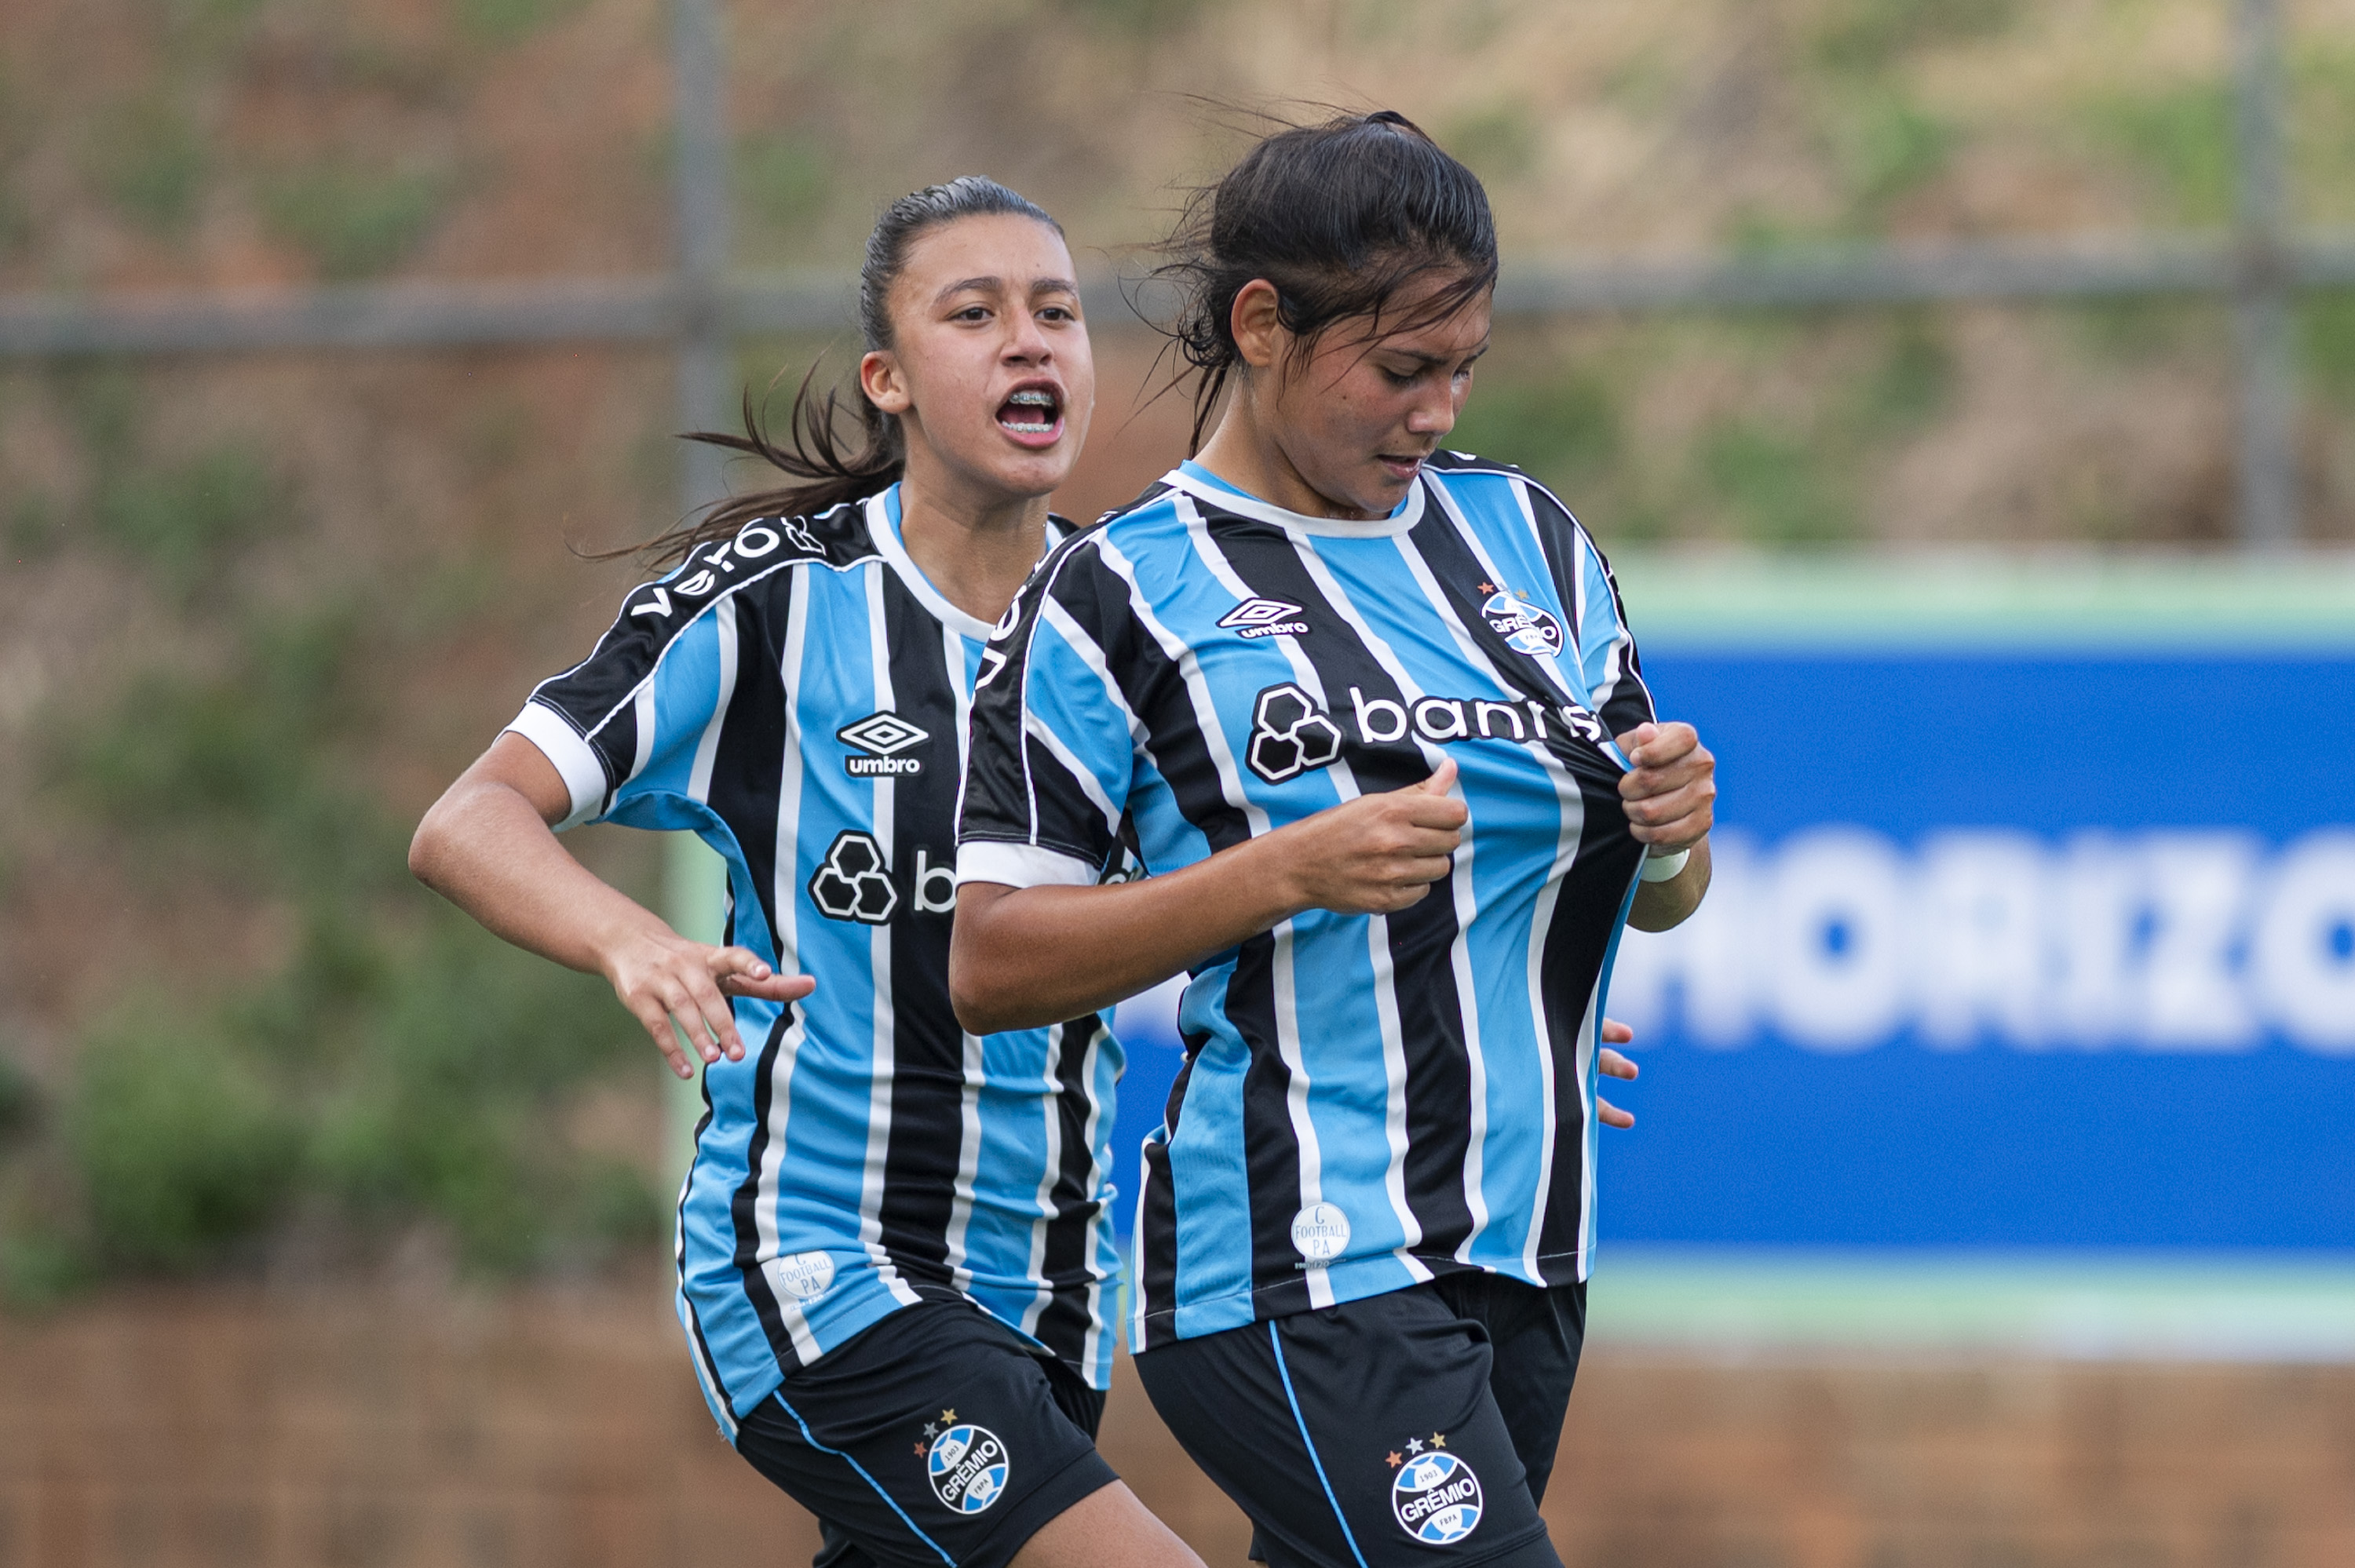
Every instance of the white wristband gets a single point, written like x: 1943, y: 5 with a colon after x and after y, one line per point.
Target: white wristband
x: 1664, y: 867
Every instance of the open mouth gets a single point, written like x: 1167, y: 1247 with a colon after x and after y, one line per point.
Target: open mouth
x: 1033, y: 414
x: 1401, y: 465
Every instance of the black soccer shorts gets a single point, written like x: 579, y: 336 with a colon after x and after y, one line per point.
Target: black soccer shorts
x: 939, y: 1435
x: 1417, y: 1427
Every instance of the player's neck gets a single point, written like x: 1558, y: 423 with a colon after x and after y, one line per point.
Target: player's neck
x: 1243, y: 451
x: 974, y: 546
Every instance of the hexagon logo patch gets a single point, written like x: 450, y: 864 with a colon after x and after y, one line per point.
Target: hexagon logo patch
x: 855, y: 882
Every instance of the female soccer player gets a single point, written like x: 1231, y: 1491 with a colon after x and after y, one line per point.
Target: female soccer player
x: 1372, y: 714
x: 794, y: 692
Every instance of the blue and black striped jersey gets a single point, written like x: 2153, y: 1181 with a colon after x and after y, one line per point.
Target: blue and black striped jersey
x: 797, y: 696
x: 1367, y: 1101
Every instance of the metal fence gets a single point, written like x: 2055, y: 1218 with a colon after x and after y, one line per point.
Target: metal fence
x: 2258, y: 266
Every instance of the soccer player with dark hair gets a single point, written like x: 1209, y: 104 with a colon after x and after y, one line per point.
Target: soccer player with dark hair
x: 896, y: 1272
x: 1372, y: 712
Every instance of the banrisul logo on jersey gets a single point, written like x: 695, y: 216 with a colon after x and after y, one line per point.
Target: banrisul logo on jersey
x: 1526, y: 628
x: 1291, y: 736
x: 1434, y: 1494
x: 967, y: 1464
x: 883, y: 738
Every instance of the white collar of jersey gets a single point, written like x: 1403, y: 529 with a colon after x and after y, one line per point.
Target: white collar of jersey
x: 1218, y: 492
x: 883, y: 524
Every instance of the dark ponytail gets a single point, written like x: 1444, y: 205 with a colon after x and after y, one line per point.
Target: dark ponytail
x: 1340, y: 216
x: 814, y: 450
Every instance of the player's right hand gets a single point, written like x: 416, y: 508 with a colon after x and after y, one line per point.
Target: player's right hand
x: 1612, y: 1064
x: 1377, y: 853
x: 674, y: 986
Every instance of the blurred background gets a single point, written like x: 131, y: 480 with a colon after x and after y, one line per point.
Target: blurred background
x: 1964, y: 389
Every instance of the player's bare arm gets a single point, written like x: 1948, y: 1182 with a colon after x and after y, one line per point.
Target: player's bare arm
x: 489, y: 847
x: 1024, y: 956
x: 1671, y: 789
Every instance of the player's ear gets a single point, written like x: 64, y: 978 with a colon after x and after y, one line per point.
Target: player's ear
x: 880, y: 377
x: 1257, y: 322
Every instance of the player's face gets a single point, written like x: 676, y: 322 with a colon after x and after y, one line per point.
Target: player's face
x: 1357, y: 419
x: 990, y: 372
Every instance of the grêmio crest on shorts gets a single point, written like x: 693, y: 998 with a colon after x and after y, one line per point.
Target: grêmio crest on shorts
x: 1367, y: 1101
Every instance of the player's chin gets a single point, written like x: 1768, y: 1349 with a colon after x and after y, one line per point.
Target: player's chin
x: 1381, y: 484
x: 1029, y: 472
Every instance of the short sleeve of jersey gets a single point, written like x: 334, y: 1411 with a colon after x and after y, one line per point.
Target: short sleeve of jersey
x: 626, y: 723
x: 1607, y: 662
x: 1047, y: 780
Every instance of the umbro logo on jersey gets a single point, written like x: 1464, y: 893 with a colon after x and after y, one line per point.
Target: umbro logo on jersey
x: 882, y: 736
x: 1526, y: 628
x: 1263, y: 618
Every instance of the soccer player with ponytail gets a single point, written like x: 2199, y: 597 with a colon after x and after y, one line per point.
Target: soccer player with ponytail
x: 896, y: 1270
x: 1371, y: 712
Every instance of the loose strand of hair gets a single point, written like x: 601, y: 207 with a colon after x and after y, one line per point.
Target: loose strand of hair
x: 812, y: 453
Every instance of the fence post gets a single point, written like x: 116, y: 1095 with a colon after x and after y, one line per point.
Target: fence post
x: 2265, y: 338
x: 695, y: 878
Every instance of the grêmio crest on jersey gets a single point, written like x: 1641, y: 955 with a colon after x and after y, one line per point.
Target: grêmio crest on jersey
x: 1527, y: 627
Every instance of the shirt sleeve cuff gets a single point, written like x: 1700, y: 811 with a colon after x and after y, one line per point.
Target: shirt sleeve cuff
x: 584, y: 774
x: 1022, y: 866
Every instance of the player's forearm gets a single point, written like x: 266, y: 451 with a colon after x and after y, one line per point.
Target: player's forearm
x: 486, y: 848
x: 1661, y: 905
x: 1024, y: 956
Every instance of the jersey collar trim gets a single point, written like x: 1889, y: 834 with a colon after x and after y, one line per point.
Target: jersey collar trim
x: 1199, y: 482
x: 883, y: 524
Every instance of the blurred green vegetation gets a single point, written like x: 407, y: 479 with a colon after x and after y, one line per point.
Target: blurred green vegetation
x: 2327, y: 334
x: 1500, y: 143
x: 183, y: 518
x: 1887, y: 148
x: 783, y: 178
x: 398, y: 1066
x: 1870, y: 36
x: 2179, y: 140
x: 355, y: 217
x: 1776, y: 481
x: 151, y: 159
x: 1564, y: 428
x: 498, y: 22
x: 1768, y: 467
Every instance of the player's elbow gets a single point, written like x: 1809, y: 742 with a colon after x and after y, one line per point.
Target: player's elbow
x: 428, y: 847
x: 446, y: 836
x: 979, y: 1006
x: 984, y: 990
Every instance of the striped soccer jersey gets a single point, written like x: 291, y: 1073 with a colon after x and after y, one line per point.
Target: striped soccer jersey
x: 797, y: 697
x: 1366, y: 1101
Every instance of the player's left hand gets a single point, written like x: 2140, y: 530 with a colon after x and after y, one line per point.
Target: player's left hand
x: 1612, y: 1064
x: 1670, y: 787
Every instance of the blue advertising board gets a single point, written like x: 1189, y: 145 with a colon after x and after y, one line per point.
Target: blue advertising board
x: 2034, y: 924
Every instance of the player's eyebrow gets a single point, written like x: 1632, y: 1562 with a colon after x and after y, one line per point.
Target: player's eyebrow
x: 982, y: 285
x: 991, y: 285
x: 1431, y: 359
